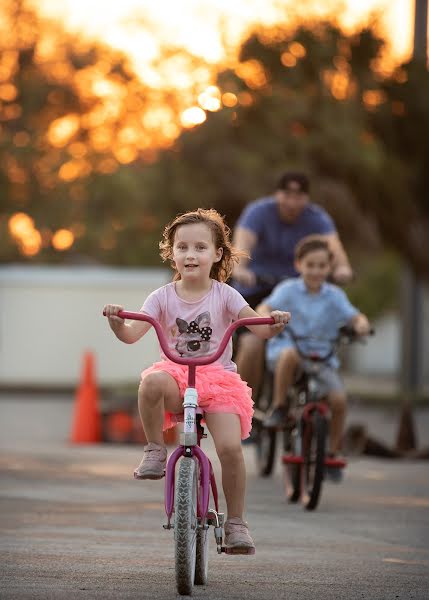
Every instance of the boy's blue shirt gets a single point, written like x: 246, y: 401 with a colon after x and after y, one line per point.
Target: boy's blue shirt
x: 316, y: 315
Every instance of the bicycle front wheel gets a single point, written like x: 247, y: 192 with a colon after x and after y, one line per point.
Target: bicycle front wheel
x: 202, y: 557
x: 185, y: 525
x: 202, y: 550
x: 314, y: 443
x: 265, y: 448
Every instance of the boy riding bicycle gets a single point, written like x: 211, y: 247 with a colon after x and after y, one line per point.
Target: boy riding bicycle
x: 318, y: 310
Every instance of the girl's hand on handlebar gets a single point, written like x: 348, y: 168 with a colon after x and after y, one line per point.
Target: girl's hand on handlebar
x: 281, y: 319
x: 111, y: 312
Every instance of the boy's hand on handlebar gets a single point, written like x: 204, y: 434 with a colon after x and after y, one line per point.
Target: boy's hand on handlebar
x: 361, y: 325
x: 111, y: 312
x: 281, y: 319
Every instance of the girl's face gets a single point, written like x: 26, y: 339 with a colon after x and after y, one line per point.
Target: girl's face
x: 194, y: 251
x: 314, y: 268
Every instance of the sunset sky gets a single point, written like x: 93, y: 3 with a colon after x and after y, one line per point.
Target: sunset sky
x: 175, y: 49
x: 212, y: 29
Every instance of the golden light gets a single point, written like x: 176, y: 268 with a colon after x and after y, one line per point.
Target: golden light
x: 101, y: 138
x: 21, y: 228
x: 31, y: 244
x: 173, y: 51
x: 62, y: 239
x: 8, y: 92
x: 63, y: 129
x: 253, y: 73
x: 373, y: 98
x: 297, y: 50
x: 229, y: 99
x: 125, y: 154
x: 339, y: 83
x: 192, y: 116
x: 20, y: 224
x: 245, y: 99
x: 288, y: 59
x: 77, y: 150
x: 73, y: 169
x: 8, y: 64
x: 210, y: 99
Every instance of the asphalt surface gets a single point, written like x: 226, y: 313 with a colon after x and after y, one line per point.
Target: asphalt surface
x: 74, y: 524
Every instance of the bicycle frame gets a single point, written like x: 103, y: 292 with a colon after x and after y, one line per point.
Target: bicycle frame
x: 190, y: 438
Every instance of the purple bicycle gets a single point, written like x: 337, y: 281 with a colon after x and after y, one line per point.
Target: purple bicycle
x: 189, y: 474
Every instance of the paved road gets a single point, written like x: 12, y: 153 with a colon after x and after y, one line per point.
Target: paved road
x: 75, y: 525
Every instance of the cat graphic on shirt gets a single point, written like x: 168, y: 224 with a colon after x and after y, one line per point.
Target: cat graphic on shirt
x: 194, y: 337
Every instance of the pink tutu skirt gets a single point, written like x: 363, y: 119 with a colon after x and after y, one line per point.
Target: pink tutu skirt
x: 218, y: 391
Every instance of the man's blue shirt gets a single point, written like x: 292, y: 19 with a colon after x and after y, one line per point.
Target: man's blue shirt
x: 276, y: 240
x: 318, y: 315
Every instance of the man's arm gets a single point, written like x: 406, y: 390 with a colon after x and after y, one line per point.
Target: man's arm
x: 341, y: 271
x: 244, y: 240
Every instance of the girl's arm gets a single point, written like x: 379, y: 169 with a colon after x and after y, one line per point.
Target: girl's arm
x: 126, y: 332
x: 266, y: 331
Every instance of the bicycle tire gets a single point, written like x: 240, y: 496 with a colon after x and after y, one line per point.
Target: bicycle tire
x: 292, y: 470
x: 185, y: 525
x: 202, y: 557
x: 265, y: 448
x: 314, y: 444
x: 202, y: 546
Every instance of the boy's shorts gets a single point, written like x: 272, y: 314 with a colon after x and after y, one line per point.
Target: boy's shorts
x: 327, y: 377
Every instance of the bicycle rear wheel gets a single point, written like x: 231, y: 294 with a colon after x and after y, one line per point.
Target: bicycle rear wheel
x: 314, y: 444
x: 185, y: 525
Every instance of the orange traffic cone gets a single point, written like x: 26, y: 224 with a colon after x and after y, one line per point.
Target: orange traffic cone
x: 86, y: 422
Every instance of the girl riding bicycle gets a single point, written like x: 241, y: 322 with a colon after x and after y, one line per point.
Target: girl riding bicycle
x: 194, y: 310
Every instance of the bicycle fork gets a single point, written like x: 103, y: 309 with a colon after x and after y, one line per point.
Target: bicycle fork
x: 189, y: 448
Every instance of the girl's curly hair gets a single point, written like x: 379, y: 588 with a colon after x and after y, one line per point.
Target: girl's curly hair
x: 221, y: 271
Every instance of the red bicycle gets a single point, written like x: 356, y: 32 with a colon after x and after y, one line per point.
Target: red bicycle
x: 306, y: 427
x: 189, y: 476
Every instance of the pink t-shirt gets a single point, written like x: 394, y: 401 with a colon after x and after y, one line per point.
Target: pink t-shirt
x: 196, y: 328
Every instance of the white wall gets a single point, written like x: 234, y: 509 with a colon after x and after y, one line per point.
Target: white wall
x: 49, y: 316
x: 381, y: 353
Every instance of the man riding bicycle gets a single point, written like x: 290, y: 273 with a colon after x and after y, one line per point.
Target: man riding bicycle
x: 268, y: 231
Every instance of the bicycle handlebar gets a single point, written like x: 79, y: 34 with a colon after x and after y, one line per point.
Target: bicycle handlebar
x: 345, y: 332
x: 202, y: 360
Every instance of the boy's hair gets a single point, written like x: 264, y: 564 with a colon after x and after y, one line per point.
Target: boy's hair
x: 300, y: 178
x: 221, y: 270
x: 311, y: 243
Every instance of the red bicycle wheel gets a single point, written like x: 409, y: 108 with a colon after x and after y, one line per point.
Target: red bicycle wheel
x: 313, y: 454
